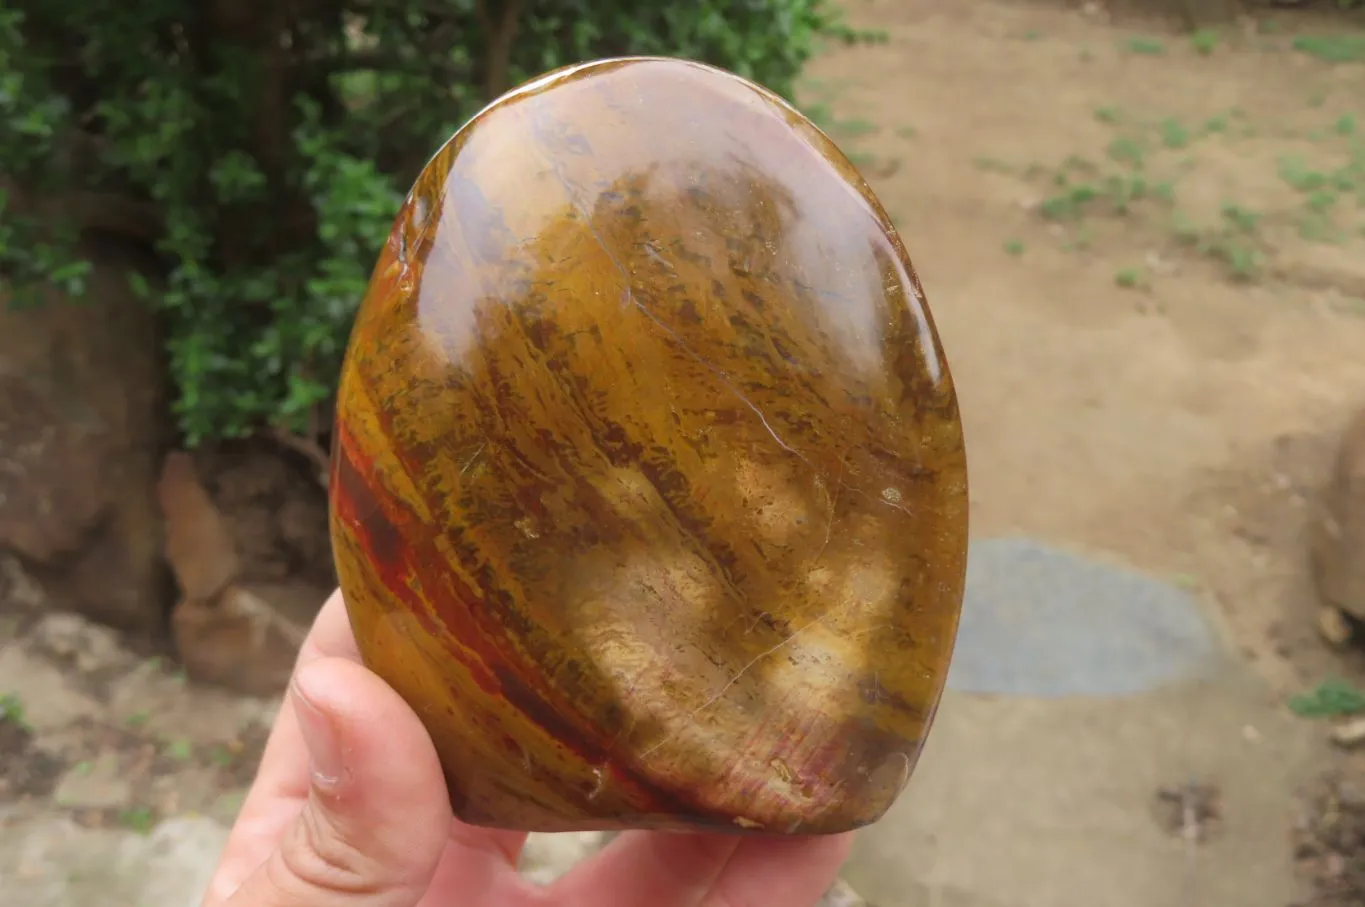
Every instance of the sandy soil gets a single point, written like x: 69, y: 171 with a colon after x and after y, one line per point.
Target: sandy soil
x: 1145, y: 255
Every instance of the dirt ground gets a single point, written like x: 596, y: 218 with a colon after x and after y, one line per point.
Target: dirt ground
x: 1145, y: 251
x: 1146, y: 256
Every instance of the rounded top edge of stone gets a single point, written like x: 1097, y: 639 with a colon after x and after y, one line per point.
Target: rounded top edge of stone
x: 686, y: 96
x: 699, y: 75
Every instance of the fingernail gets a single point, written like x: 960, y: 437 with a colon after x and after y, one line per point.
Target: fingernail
x: 320, y: 737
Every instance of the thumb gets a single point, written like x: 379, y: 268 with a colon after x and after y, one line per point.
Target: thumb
x: 377, y: 816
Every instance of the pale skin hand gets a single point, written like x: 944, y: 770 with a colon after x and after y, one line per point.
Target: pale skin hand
x: 349, y: 807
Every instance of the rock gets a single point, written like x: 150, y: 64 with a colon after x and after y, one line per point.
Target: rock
x: 228, y: 631
x: 21, y: 598
x: 88, y: 647
x: 187, y: 789
x: 198, y: 541
x: 1334, y: 627
x: 34, y: 680
x: 1044, y: 621
x: 53, y: 862
x: 275, y: 509
x: 1337, y: 529
x: 237, y: 640
x: 302, y: 523
x: 25, y: 770
x: 164, y: 707
x: 94, y: 785
x: 1349, y: 734
x: 177, y: 859
x: 650, y: 490
x: 295, y: 602
x: 83, y: 422
x: 18, y: 591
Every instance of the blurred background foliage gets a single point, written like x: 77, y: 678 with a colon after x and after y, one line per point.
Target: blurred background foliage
x: 258, y: 150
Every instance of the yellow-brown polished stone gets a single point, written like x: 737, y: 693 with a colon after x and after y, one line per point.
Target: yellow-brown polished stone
x: 649, y: 491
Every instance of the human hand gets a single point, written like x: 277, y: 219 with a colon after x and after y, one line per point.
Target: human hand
x: 349, y: 806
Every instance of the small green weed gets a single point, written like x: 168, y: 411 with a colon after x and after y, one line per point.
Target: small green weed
x: 1239, y: 219
x: 12, y: 711
x: 1242, y: 261
x: 1150, y: 47
x: 1299, y: 175
x: 139, y: 819
x: 1130, y: 278
x: 1232, y: 244
x: 1127, y: 150
x: 1332, y: 48
x: 1174, y: 134
x: 1123, y: 191
x: 1069, y: 205
x: 1204, y: 41
x: 1332, y: 698
x: 1323, y: 189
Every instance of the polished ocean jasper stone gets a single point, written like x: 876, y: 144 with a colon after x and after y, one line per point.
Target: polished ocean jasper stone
x: 648, y: 490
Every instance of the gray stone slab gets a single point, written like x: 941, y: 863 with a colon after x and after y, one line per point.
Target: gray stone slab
x: 1042, y: 622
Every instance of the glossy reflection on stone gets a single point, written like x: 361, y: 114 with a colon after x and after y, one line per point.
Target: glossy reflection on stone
x: 649, y: 491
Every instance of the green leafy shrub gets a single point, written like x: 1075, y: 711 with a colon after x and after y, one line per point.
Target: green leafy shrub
x: 261, y: 148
